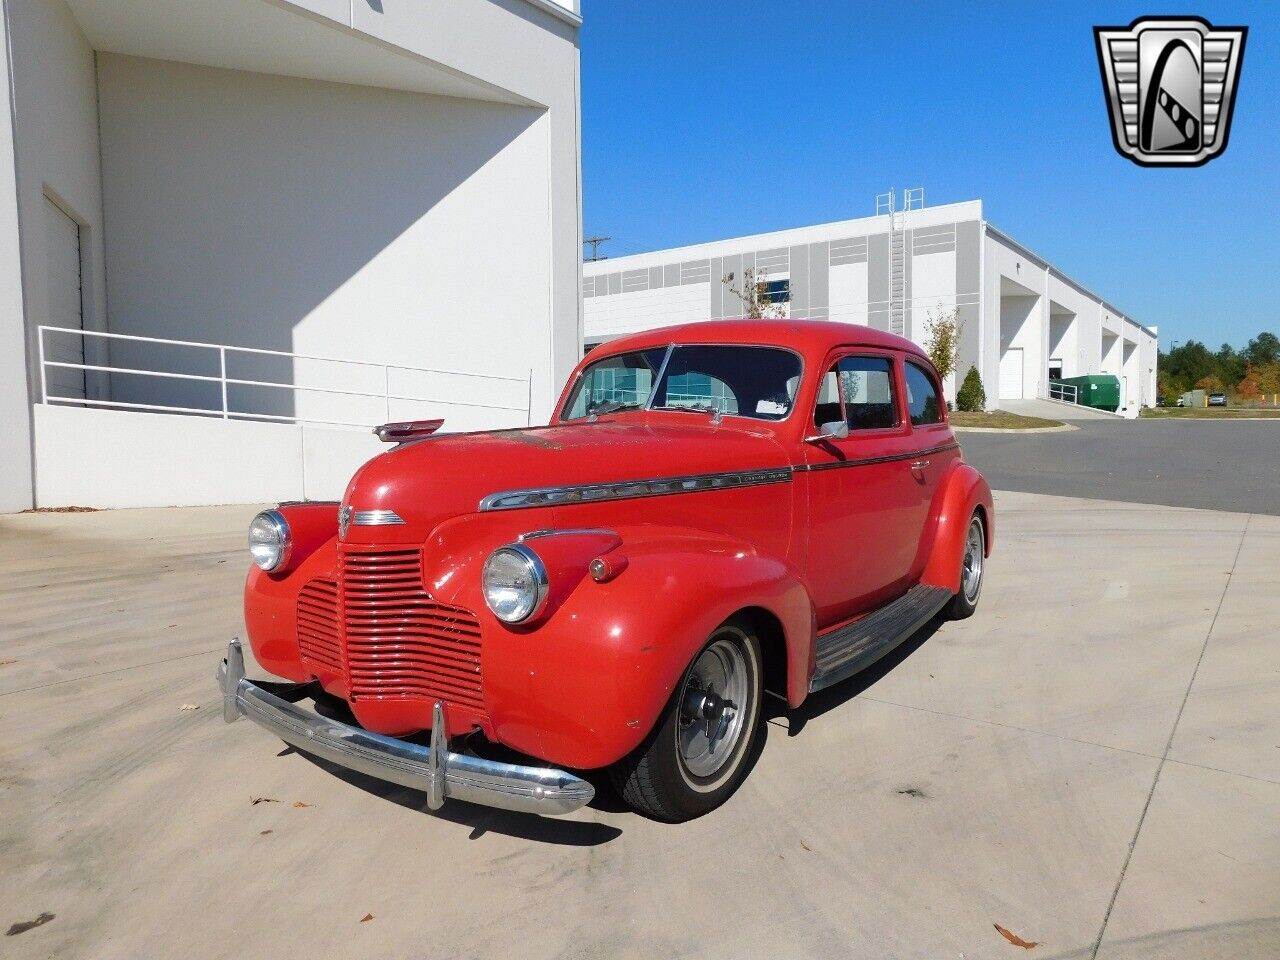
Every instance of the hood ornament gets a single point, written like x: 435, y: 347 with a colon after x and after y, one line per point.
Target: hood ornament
x: 344, y: 520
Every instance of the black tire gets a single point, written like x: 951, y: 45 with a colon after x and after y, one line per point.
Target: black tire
x: 656, y: 779
x: 965, y: 603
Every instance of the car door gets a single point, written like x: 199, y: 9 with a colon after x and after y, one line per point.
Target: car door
x: 934, y: 447
x: 865, y: 505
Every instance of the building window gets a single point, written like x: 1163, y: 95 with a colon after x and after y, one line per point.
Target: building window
x: 777, y: 291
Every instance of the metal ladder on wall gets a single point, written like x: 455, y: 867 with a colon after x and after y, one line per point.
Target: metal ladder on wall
x: 886, y: 203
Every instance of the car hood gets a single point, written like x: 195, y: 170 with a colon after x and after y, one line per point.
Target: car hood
x: 428, y: 481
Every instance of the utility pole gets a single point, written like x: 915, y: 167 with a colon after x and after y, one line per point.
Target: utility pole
x: 595, y: 245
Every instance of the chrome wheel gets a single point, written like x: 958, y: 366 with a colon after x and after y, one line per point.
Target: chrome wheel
x: 974, y: 556
x: 715, y: 707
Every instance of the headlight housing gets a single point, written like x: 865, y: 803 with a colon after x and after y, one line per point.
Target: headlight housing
x: 269, y: 540
x: 515, y: 583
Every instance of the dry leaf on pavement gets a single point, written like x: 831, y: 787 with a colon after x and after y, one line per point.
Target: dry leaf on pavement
x: 1016, y: 940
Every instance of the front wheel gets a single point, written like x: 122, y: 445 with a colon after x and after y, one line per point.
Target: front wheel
x: 696, y: 756
x: 972, y: 565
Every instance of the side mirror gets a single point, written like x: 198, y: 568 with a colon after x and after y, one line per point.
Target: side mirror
x: 835, y: 430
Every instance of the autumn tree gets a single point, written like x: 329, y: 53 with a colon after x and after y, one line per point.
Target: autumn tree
x: 757, y: 300
x: 1268, y: 375
x: 944, y: 341
x: 1211, y: 383
x: 1247, y: 388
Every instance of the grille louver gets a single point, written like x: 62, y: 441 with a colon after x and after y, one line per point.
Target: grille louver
x: 318, y: 637
x: 400, y: 642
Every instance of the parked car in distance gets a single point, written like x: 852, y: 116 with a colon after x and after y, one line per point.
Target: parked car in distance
x: 715, y: 511
x: 1217, y: 399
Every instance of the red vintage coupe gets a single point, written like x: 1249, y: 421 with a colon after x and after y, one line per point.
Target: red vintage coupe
x: 715, y: 511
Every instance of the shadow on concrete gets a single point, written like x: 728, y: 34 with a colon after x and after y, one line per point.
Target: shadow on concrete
x: 824, y: 701
x: 482, y: 820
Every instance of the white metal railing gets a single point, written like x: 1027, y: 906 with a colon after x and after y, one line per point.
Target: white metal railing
x: 225, y: 411
x: 1067, y: 392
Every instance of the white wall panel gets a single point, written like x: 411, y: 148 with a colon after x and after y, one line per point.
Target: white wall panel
x: 848, y: 286
x: 612, y: 316
x: 329, y: 219
x: 109, y: 458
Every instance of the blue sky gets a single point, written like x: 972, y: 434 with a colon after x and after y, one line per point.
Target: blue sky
x: 717, y: 119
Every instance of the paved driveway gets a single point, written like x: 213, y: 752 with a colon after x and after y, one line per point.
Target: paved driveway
x: 1209, y: 464
x: 1093, y: 757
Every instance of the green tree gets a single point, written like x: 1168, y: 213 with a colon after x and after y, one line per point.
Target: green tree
x: 1231, y: 364
x: 1263, y: 349
x: 971, y: 396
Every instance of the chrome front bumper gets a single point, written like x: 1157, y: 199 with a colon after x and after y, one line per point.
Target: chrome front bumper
x: 441, y: 774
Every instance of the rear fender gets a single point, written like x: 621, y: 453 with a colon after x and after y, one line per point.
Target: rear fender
x: 962, y: 491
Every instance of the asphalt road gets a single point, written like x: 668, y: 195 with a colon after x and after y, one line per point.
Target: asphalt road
x: 1207, y: 464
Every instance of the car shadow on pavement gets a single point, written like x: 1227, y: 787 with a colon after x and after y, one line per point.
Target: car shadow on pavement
x: 481, y: 820
x: 816, y: 704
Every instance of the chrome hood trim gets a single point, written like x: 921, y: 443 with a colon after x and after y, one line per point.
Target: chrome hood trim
x: 376, y: 518
x: 631, y: 489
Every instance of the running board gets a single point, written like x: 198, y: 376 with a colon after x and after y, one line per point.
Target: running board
x: 846, y: 651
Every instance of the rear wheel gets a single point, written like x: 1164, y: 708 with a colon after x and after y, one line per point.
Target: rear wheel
x: 696, y: 756
x: 972, y: 566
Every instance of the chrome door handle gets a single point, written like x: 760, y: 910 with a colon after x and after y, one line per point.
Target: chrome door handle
x: 919, y: 464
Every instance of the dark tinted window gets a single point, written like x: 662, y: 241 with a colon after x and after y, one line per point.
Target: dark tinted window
x: 922, y: 397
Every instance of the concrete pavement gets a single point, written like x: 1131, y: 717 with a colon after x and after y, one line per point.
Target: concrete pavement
x: 1091, y: 762
x: 1055, y: 410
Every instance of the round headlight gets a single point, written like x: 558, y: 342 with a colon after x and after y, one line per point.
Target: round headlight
x: 269, y: 540
x: 515, y: 583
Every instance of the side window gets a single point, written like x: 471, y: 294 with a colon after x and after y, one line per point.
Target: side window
x: 922, y: 397
x: 866, y: 386
x: 828, y: 408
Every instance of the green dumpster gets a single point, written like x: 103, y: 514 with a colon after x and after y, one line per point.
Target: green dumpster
x: 1100, y: 391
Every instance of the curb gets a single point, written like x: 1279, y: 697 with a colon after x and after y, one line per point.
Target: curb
x: 1211, y: 419
x: 1061, y: 428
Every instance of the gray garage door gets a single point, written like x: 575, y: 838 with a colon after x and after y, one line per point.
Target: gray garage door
x: 62, y: 254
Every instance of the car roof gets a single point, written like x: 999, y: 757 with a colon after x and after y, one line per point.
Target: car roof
x: 810, y: 338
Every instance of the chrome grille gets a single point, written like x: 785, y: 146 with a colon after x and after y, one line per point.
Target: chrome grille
x: 400, y: 642
x: 318, y: 638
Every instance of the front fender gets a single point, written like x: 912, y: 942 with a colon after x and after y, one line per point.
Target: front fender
x: 961, y: 491
x: 584, y: 685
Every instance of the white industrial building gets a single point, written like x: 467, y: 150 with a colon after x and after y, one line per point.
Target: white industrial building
x: 236, y: 233
x: 1024, y: 320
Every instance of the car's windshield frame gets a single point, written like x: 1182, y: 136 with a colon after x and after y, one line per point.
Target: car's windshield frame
x: 661, y: 372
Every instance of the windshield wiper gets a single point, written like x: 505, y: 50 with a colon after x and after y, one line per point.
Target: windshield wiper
x: 613, y: 406
x: 693, y: 408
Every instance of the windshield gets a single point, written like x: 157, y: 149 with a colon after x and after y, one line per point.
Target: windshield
x: 755, y: 382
